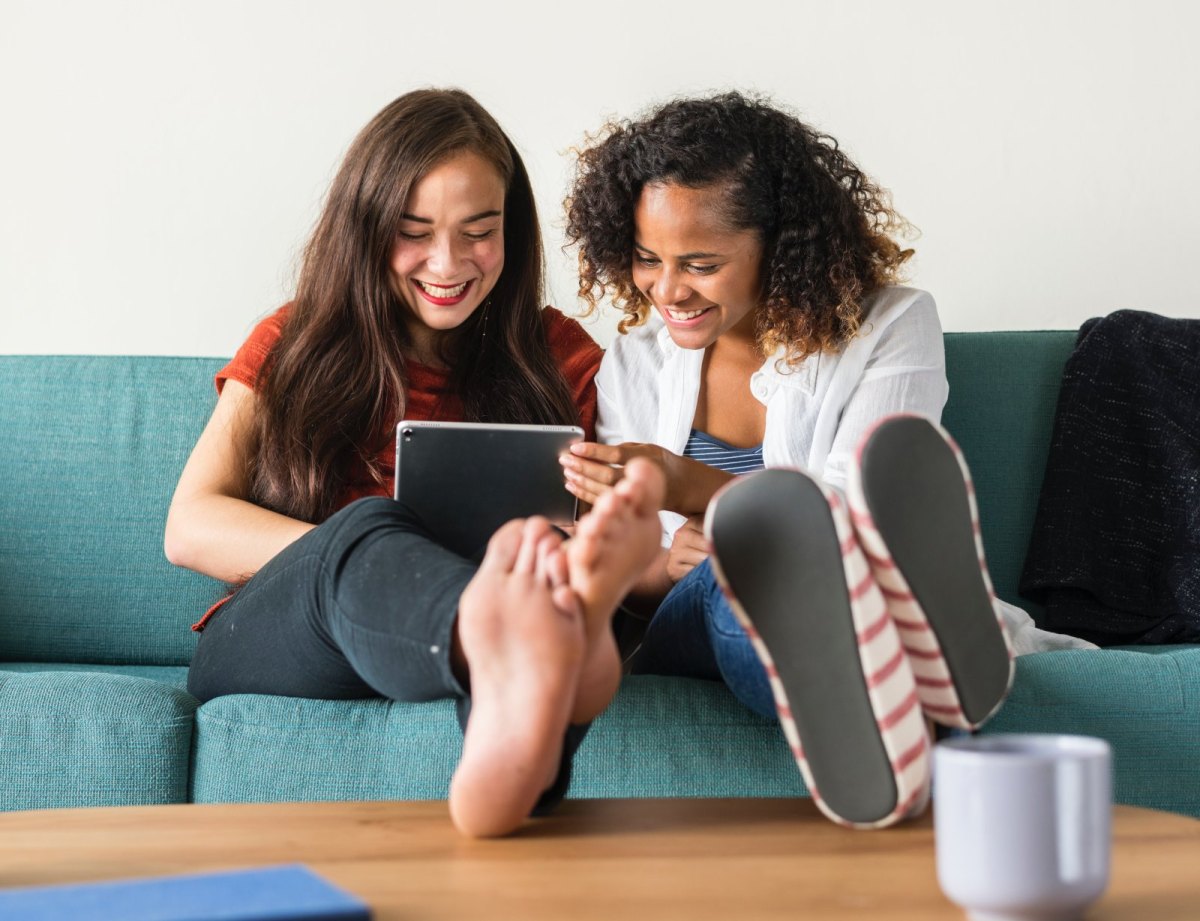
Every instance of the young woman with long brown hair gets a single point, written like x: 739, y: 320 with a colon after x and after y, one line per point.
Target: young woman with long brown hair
x: 420, y: 296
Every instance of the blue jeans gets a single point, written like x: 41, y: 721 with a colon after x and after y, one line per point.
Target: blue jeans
x: 694, y: 634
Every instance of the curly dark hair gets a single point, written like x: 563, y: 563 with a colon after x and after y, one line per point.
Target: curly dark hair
x: 826, y: 228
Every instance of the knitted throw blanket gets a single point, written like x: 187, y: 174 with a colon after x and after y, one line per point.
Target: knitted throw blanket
x: 1115, y: 551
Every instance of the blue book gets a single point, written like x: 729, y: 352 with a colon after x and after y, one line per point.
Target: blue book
x: 293, y: 893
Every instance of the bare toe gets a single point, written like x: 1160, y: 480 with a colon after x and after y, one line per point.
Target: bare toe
x: 503, y: 546
x: 567, y: 601
x: 523, y: 640
x: 548, y: 550
x: 643, y: 485
x: 612, y: 546
x: 557, y: 570
x: 534, y: 530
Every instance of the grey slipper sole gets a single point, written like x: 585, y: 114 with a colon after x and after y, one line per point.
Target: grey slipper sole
x: 915, y: 492
x: 775, y: 543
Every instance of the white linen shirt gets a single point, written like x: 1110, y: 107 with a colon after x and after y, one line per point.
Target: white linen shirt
x: 816, y: 412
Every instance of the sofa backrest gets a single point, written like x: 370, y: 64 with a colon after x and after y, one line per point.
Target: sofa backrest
x: 91, y: 448
x: 1003, y: 392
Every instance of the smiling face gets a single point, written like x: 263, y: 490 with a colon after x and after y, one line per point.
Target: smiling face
x: 703, y: 278
x: 449, y: 248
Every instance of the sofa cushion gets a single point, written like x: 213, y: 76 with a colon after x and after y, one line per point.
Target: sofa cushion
x: 683, y: 737
x: 174, y: 676
x: 660, y: 737
x: 72, y: 738
x: 1144, y: 701
x: 261, y: 748
x: 92, y: 448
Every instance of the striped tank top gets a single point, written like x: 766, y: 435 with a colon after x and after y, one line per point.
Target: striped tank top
x: 703, y: 447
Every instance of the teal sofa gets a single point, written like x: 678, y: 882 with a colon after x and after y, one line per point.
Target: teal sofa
x: 95, y: 639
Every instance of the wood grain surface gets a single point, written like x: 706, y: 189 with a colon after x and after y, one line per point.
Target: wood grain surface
x: 612, y: 859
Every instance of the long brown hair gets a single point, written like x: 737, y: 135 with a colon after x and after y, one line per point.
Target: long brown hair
x: 334, y: 384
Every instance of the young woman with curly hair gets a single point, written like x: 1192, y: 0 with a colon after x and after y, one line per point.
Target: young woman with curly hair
x: 764, y: 327
x: 420, y: 297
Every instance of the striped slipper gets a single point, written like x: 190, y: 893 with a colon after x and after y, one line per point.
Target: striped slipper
x: 913, y: 506
x: 785, y: 554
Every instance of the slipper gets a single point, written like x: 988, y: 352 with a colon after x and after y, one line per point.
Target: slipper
x: 786, y: 557
x: 913, y: 506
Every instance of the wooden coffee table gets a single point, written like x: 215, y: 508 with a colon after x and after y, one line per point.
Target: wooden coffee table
x: 611, y: 859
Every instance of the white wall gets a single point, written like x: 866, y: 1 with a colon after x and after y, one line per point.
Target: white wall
x: 162, y: 162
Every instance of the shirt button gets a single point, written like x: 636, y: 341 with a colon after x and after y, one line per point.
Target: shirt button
x: 760, y: 391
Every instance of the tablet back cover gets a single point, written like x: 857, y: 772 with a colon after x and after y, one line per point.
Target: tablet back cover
x: 464, y: 481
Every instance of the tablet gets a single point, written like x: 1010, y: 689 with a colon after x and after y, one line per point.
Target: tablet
x: 465, y: 479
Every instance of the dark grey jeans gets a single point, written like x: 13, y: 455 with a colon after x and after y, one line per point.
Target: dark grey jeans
x: 361, y: 606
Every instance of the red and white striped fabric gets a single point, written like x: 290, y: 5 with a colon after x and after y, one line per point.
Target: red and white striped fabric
x: 938, y: 695
x: 889, y: 680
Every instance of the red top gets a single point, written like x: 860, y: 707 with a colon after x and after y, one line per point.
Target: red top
x: 574, y: 351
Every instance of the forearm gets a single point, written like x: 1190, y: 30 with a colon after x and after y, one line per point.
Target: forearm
x: 212, y: 527
x: 227, y: 538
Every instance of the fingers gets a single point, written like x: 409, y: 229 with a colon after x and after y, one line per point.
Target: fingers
x: 604, y: 454
x: 682, y: 559
x: 680, y: 563
x: 690, y: 542
x: 591, y: 470
x: 689, y: 548
x: 588, y: 480
x: 695, y: 522
x: 601, y: 473
x: 584, y: 492
x: 677, y: 569
x: 602, y: 463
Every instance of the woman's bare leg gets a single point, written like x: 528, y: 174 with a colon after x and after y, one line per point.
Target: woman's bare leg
x: 534, y: 629
x: 522, y: 637
x: 612, y: 546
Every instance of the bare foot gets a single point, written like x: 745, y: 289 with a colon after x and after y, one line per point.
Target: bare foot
x: 612, y: 546
x: 522, y: 633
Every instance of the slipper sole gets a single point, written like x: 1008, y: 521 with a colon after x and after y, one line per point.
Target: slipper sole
x: 776, y: 548
x: 918, y: 501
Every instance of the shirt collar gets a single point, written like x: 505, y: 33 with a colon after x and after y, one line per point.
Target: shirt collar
x: 773, y: 374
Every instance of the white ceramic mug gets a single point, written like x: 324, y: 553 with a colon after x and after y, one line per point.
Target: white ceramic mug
x: 1023, y: 824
